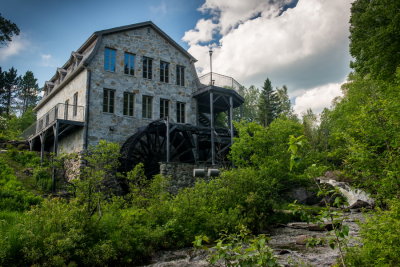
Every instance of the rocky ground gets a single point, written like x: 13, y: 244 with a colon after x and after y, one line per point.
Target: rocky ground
x: 287, y: 241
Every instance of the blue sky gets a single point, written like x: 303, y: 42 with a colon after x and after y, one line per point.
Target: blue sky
x: 302, y: 44
x: 52, y: 29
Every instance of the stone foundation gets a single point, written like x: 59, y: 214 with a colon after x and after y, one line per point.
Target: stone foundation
x: 182, y: 174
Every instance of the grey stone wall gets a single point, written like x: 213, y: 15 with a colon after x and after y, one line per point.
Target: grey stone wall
x: 181, y: 174
x: 115, y: 126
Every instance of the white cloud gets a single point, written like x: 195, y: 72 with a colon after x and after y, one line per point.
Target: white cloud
x: 317, y: 98
x: 305, y: 47
x: 203, y: 32
x: 13, y: 48
x: 47, y: 60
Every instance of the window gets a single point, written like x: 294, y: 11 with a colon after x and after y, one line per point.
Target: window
x: 108, y: 100
x: 109, y: 59
x: 66, y: 106
x: 129, y: 99
x: 147, y: 67
x: 129, y: 63
x: 164, y: 71
x: 180, y: 75
x: 164, y: 108
x: 147, y: 109
x: 75, y: 110
x: 180, y: 112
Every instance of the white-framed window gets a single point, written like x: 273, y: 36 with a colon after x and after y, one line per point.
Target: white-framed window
x: 180, y: 75
x: 147, y: 106
x: 129, y: 63
x: 129, y: 100
x: 164, y: 108
x: 108, y: 100
x: 164, y: 71
x: 147, y: 67
x: 180, y: 112
x: 109, y: 59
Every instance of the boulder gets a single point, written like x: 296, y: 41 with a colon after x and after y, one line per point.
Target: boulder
x: 304, y: 195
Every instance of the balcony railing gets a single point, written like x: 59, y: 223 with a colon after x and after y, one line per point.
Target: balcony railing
x: 216, y: 79
x: 59, y: 111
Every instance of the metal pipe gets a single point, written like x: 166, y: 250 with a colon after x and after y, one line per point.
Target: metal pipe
x: 211, y: 52
x: 212, y: 128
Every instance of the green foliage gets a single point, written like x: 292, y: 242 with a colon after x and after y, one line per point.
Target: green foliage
x: 43, y: 178
x: 97, y: 177
x: 294, y: 144
x: 268, y: 104
x: 365, y: 135
x: 380, y: 238
x: 7, y: 30
x: 249, y: 109
x: 266, y: 149
x: 374, y: 36
x: 13, y: 197
x: 28, y: 92
x: 240, y: 249
x: 245, y: 196
x: 12, y: 126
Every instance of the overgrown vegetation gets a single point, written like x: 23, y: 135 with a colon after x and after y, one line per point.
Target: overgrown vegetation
x: 101, y: 224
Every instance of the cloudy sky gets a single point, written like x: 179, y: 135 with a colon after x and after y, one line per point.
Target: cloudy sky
x: 299, y: 43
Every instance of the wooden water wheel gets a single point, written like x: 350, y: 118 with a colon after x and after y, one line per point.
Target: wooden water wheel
x: 148, y: 145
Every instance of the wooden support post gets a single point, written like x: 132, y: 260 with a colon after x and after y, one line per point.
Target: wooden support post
x: 42, y: 137
x: 55, y: 147
x: 55, y: 132
x: 30, y: 141
x: 167, y: 143
x: 212, y: 128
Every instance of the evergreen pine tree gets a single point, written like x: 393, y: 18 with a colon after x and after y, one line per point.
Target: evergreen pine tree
x: 268, y: 104
x: 28, y: 92
x: 9, y: 90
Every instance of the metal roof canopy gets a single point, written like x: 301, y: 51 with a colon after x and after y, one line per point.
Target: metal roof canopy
x: 221, y: 99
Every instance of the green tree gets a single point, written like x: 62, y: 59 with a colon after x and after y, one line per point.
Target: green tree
x: 7, y: 30
x: 10, y: 84
x: 374, y: 36
x: 28, y: 92
x: 249, y: 109
x: 310, y: 125
x: 284, y: 107
x: 268, y: 104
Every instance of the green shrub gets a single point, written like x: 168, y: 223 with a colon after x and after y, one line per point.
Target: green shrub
x: 43, y: 178
x: 13, y: 197
x: 381, y: 239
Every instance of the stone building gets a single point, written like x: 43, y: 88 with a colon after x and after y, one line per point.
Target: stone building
x: 121, y: 79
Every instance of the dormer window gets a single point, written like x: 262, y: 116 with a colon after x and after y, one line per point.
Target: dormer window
x: 61, y: 74
x: 77, y: 58
x: 48, y: 87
